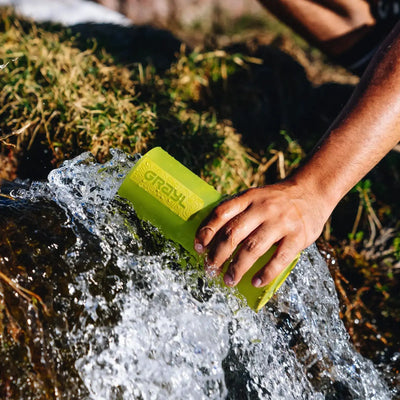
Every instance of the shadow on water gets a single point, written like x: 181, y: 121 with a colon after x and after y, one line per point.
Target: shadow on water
x: 33, y: 244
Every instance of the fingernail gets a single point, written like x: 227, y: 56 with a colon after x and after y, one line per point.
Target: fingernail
x: 205, y: 230
x: 199, y: 248
x: 228, y: 279
x: 257, y: 282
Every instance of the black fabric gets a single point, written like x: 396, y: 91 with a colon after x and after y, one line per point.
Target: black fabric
x: 386, y: 10
x: 387, y: 14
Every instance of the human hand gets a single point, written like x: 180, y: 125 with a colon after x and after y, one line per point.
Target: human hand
x: 282, y: 214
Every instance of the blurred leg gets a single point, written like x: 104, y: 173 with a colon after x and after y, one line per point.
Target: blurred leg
x: 334, y: 26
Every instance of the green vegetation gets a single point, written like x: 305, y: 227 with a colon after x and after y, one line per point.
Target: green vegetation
x: 240, y: 116
x: 64, y: 98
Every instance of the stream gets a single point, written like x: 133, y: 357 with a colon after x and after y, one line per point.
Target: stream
x: 130, y: 317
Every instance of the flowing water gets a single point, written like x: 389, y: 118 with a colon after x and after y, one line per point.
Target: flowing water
x: 133, y: 323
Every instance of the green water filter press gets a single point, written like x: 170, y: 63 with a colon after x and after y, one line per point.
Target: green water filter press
x: 174, y: 199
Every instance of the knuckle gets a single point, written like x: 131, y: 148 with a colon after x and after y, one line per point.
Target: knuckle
x: 230, y: 235
x: 270, y: 208
x: 252, y: 245
x: 290, y: 226
x: 284, y: 257
x: 250, y: 191
x: 220, y: 211
x: 204, y: 235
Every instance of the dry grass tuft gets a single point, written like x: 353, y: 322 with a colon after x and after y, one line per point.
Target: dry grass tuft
x: 66, y: 98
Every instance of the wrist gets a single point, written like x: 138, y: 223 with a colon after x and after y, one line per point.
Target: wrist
x: 320, y: 191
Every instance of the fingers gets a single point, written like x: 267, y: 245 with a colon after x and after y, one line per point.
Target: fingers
x: 252, y: 223
x: 218, y: 218
x: 252, y: 248
x: 285, y: 253
x: 229, y: 237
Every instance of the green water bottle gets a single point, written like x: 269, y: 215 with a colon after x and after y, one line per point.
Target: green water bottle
x: 174, y: 199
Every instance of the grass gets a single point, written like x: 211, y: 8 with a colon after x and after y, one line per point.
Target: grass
x: 57, y: 97
x: 242, y: 114
x: 65, y: 98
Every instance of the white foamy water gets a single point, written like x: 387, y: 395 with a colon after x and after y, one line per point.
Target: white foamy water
x: 162, y: 332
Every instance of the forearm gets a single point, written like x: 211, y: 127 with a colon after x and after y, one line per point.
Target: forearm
x: 366, y: 130
x: 293, y: 212
x: 332, y: 25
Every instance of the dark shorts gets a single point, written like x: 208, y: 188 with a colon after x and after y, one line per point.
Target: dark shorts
x: 387, y: 14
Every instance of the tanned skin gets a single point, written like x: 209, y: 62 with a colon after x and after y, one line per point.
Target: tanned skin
x: 332, y: 25
x: 293, y: 212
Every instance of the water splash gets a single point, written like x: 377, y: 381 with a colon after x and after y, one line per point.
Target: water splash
x: 152, y: 330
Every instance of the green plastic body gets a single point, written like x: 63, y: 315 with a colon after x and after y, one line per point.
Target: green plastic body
x: 174, y: 199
